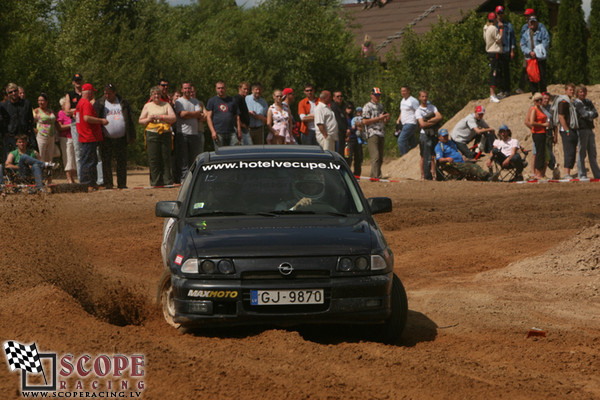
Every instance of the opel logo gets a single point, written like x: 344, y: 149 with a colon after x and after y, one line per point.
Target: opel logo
x: 285, y: 269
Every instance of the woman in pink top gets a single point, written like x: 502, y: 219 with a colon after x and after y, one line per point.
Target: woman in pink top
x: 66, y: 143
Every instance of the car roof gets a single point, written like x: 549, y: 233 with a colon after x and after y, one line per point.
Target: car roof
x: 229, y: 153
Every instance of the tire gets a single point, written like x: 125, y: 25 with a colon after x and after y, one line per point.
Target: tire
x: 393, y: 327
x: 166, y: 300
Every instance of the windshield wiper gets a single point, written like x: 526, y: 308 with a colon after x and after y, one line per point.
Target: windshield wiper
x: 218, y: 212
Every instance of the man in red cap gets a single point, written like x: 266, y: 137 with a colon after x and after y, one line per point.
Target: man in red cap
x: 529, y: 13
x: 90, y: 133
x: 470, y: 127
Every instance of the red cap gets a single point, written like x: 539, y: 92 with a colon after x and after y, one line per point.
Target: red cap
x: 479, y: 110
x: 287, y: 91
x: 87, y: 86
x: 491, y: 16
x: 499, y: 9
x: 529, y: 11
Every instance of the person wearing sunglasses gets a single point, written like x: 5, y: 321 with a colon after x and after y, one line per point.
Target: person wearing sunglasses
x: 17, y: 115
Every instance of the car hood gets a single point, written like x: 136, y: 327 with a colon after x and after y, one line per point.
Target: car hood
x: 280, y: 236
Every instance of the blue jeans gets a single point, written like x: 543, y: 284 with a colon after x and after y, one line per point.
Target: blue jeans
x: 310, y: 139
x: 89, y: 163
x: 187, y: 149
x: 36, y: 166
x: 406, y: 139
x: 427, y: 148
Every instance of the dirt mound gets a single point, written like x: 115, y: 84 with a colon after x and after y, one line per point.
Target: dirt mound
x: 511, y: 111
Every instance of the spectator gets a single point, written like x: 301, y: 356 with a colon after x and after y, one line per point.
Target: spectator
x: 551, y: 136
x: 189, y: 141
x: 566, y: 115
x: 337, y: 106
x: 288, y: 100
x: 367, y: 48
x: 408, y: 107
x: 354, y: 140
x: 26, y: 162
x: 90, y: 133
x: 18, y: 119
x: 374, y: 120
x: 586, y: 113
x: 306, y: 109
x: 201, y: 119
x: 66, y: 142
x: 21, y: 93
x: 508, y: 52
x: 175, y: 161
x: 447, y: 153
x: 158, y: 116
x: 71, y: 100
x: 493, y: 47
x: 45, y: 128
x: 470, y: 127
x: 535, y: 42
x: 428, y: 117
x: 327, y: 128
x: 223, y: 118
x: 257, y: 108
x: 279, y: 121
x: 240, y: 99
x: 506, y: 152
x: 164, y: 91
x: 537, y: 121
x: 119, y: 132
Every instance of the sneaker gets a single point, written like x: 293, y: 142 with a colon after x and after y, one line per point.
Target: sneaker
x: 50, y: 165
x: 568, y: 176
x: 519, y: 91
x: 500, y: 95
x: 494, y: 99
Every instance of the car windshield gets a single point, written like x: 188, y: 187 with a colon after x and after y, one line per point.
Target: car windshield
x: 273, y: 188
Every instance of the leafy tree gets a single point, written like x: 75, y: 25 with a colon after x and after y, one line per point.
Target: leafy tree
x: 594, y: 43
x: 571, y: 43
x: 541, y: 11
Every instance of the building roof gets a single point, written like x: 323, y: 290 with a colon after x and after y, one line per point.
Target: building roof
x: 386, y: 24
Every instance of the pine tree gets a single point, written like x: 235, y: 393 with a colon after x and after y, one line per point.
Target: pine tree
x: 541, y: 11
x: 594, y: 43
x: 571, y: 44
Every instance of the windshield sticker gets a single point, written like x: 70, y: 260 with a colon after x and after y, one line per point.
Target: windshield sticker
x: 198, y: 206
x: 270, y: 164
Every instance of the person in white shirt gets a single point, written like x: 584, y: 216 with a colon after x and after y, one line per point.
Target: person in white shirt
x: 407, y: 139
x: 327, y: 128
x: 506, y: 152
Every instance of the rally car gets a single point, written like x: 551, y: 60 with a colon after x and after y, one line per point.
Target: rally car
x: 277, y: 235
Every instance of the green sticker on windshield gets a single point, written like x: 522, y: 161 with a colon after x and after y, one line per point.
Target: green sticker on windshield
x: 198, y: 205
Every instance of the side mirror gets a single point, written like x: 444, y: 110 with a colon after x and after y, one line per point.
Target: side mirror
x: 380, y: 204
x: 167, y: 209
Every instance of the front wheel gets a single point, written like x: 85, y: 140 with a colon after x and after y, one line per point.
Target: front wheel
x: 166, y: 299
x: 393, y: 327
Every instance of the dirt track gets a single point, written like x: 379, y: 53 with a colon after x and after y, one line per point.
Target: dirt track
x: 482, y: 264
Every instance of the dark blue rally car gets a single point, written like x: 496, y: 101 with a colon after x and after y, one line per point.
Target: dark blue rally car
x: 277, y: 235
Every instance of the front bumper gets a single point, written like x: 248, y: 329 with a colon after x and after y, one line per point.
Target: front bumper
x: 213, y: 303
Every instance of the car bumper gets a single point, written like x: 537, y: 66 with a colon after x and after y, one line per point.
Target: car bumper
x: 354, y: 300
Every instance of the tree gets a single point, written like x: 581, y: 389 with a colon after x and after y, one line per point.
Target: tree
x: 594, y: 43
x: 571, y: 43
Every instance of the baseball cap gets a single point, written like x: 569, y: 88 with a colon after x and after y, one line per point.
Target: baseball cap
x: 529, y: 11
x: 491, y: 16
x: 358, y: 109
x: 77, y: 77
x: 376, y: 91
x: 499, y: 9
x: 87, y: 86
x: 287, y: 91
x: 479, y: 110
x: 503, y: 127
x: 443, y: 132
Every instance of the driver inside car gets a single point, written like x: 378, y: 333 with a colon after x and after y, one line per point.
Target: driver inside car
x: 307, y: 187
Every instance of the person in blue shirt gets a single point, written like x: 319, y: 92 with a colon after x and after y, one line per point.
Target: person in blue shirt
x: 448, y: 156
x: 508, y: 52
x: 535, y: 41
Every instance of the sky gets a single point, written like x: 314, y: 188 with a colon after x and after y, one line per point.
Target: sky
x: 251, y: 3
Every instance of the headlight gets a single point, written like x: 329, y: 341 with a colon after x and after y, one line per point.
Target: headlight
x: 362, y: 263
x: 226, y: 267
x: 190, y: 266
x: 345, y: 264
x: 208, y: 267
x: 377, y: 263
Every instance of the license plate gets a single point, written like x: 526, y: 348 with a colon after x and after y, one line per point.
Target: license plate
x: 282, y: 297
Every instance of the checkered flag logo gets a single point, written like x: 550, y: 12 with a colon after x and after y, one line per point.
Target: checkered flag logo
x: 22, y: 357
